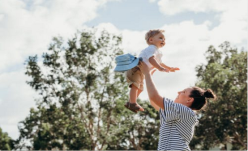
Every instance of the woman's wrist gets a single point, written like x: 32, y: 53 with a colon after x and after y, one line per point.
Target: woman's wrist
x: 147, y: 74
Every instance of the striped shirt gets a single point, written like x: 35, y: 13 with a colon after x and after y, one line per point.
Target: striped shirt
x: 177, y: 124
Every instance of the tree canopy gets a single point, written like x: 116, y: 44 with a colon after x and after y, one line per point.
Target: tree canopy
x: 225, y: 120
x: 6, y: 142
x: 81, y: 104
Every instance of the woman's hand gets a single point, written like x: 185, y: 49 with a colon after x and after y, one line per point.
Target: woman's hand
x: 144, y: 68
x: 152, y: 71
x: 162, y: 69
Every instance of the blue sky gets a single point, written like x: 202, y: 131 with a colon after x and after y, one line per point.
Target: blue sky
x: 143, y: 15
x: 27, y: 28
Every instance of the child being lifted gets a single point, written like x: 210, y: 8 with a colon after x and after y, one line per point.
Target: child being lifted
x: 152, y: 57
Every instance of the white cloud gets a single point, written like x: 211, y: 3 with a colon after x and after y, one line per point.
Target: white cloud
x: 172, y: 7
x: 152, y: 1
x: 232, y: 17
x: 17, y: 97
x: 27, y: 28
x: 108, y: 27
x: 1, y: 16
x: 133, y: 41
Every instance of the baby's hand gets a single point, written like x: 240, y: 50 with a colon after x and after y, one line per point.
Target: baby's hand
x: 172, y: 69
x: 163, y: 69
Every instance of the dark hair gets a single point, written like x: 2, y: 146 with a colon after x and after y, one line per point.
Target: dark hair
x: 200, y: 97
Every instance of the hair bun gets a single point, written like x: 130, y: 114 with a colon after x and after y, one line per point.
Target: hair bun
x: 209, y: 94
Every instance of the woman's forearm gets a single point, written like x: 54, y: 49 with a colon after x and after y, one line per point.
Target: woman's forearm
x: 154, y: 105
x: 153, y: 94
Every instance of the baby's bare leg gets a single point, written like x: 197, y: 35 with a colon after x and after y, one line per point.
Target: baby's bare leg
x: 139, y: 91
x: 133, y: 94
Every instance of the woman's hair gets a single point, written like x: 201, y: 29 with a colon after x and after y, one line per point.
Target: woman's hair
x: 200, y: 97
x: 152, y: 33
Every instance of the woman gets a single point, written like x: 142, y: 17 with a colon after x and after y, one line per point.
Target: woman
x: 177, y: 118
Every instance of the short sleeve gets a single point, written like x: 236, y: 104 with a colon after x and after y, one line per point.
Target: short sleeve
x: 187, y: 123
x: 170, y: 112
x: 150, y: 51
x: 186, y: 114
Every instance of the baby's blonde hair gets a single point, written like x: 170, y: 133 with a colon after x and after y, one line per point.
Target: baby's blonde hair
x: 152, y: 33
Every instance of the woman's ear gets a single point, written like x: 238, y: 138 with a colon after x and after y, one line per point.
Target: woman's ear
x: 191, y: 100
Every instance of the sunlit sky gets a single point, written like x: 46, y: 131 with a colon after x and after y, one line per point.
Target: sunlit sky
x: 27, y: 27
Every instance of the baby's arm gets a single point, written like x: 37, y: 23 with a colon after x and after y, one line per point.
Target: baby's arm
x: 154, y: 62
x: 171, y: 69
x: 165, y: 66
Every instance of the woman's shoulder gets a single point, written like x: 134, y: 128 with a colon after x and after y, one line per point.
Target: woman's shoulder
x: 186, y: 109
x: 180, y: 107
x: 168, y: 100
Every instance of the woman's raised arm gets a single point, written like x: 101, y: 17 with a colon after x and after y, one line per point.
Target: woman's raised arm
x: 153, y: 94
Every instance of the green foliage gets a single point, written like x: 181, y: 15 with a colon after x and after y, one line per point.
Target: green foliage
x: 225, y: 120
x: 6, y: 143
x: 81, y: 103
x: 137, y: 133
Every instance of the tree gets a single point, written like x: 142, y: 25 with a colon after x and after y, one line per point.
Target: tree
x: 138, y: 133
x: 82, y: 99
x: 6, y: 143
x: 225, y: 120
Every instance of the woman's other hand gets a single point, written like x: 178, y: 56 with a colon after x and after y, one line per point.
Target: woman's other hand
x: 144, y: 68
x: 152, y: 71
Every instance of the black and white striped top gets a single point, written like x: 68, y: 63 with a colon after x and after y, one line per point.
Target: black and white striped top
x: 177, y: 124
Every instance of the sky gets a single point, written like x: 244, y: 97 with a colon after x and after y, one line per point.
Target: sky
x: 191, y: 26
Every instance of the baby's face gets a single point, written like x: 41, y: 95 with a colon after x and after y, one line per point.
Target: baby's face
x: 158, y: 40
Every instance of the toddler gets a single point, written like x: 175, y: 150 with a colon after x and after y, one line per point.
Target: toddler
x: 152, y: 57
